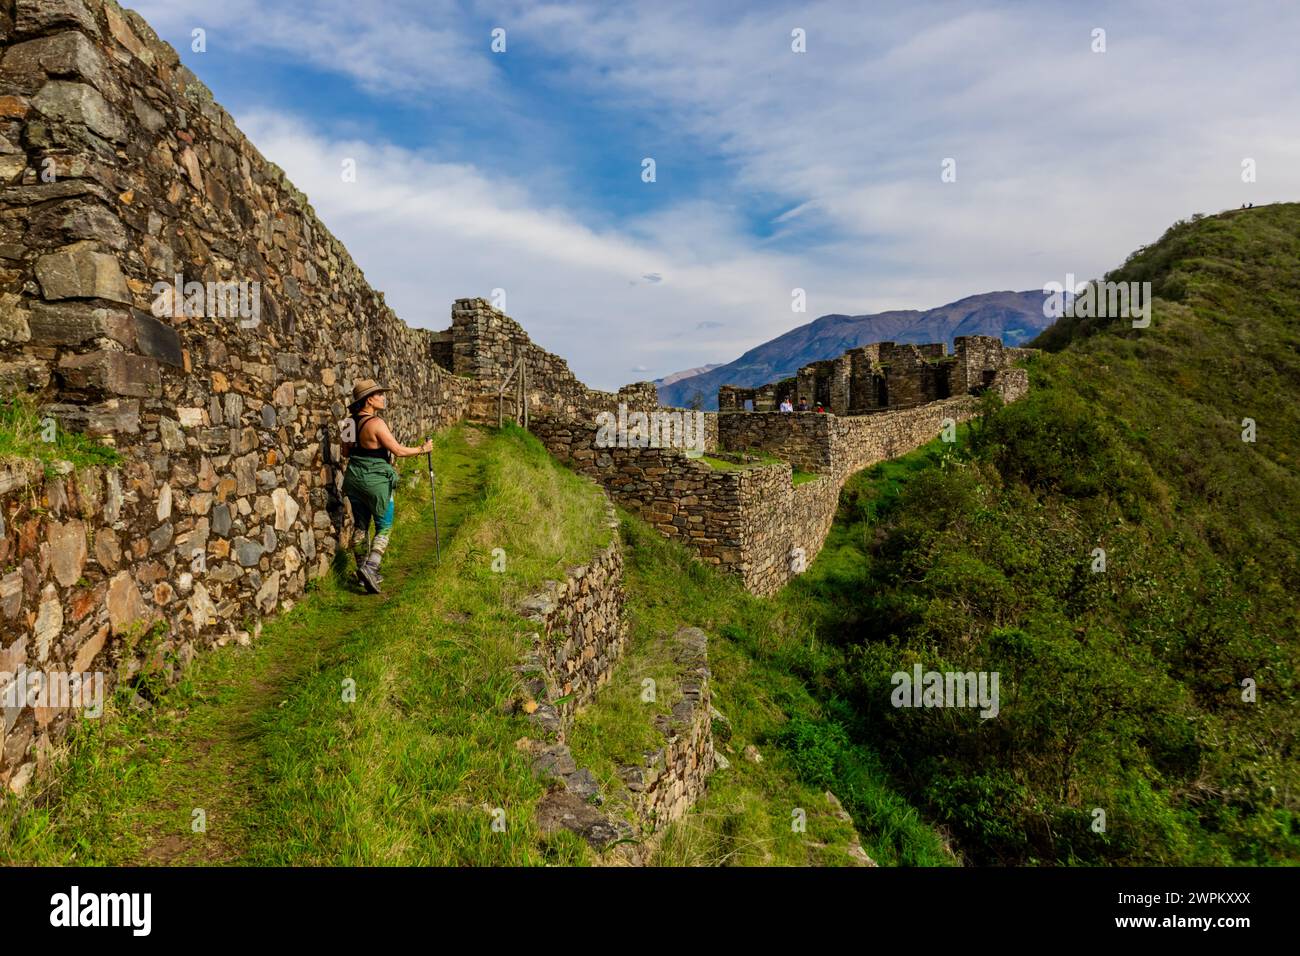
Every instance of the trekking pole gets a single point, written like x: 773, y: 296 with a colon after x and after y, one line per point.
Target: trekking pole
x: 433, y: 494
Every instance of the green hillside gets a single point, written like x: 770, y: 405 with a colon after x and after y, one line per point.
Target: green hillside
x: 1121, y: 690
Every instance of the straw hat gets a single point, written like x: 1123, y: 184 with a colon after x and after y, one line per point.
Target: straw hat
x: 363, y: 388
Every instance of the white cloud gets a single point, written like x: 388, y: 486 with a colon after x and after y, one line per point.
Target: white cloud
x: 1067, y: 160
x: 427, y: 232
x: 398, y: 46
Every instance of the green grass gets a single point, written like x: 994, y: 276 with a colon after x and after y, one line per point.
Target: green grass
x: 760, y: 653
x: 759, y: 459
x: 721, y: 464
x: 290, y: 773
x: 23, y: 433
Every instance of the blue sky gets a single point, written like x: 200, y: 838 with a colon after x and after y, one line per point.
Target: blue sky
x: 775, y: 170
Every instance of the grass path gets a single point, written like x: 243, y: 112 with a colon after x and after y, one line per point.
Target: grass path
x: 284, y: 769
x: 217, y: 760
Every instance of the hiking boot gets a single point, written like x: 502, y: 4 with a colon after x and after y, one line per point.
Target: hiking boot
x: 368, y: 578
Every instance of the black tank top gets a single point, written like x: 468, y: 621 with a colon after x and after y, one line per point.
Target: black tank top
x: 358, y: 451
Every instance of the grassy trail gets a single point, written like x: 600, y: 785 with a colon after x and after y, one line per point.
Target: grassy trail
x: 217, y: 758
x: 285, y: 770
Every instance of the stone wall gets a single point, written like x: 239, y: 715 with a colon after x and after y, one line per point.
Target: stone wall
x: 671, y: 778
x: 581, y: 630
x: 581, y: 636
x: 118, y: 171
x: 486, y: 343
x: 754, y: 522
x: 682, y: 497
x: 884, y: 375
x: 745, y: 521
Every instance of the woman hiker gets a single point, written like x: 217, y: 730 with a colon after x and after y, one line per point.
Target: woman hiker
x: 371, y: 478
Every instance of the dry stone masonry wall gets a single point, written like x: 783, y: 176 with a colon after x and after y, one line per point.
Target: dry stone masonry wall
x: 580, y: 635
x: 754, y: 522
x: 487, y: 343
x: 670, y: 779
x: 119, y: 172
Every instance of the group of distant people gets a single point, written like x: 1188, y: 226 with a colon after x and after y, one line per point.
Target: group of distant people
x: 803, y: 406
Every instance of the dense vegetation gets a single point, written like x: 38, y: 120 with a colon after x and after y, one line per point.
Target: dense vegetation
x: 1121, y: 689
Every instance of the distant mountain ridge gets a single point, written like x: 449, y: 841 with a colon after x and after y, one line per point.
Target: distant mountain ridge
x: 1014, y: 317
x: 686, y: 373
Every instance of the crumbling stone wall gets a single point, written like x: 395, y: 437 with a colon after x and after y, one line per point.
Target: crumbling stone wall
x: 582, y: 635
x: 754, y: 522
x: 885, y: 375
x: 767, y: 398
x: 486, y: 343
x: 670, y: 779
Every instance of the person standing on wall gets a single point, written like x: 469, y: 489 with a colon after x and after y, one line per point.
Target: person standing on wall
x: 371, y: 479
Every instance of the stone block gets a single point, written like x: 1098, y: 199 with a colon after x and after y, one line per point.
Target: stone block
x: 15, y: 319
x: 158, y: 340
x: 63, y: 55
x: 71, y: 323
x: 80, y: 103
x: 105, y: 418
x: 23, y: 374
x: 122, y: 32
x: 68, y: 551
x: 74, y: 220
x: 79, y: 272
x: 119, y: 373
x: 39, y: 16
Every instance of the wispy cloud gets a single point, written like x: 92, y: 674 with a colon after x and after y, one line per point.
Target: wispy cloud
x: 777, y: 170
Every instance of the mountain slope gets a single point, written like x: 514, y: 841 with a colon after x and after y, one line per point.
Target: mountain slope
x: 1148, y: 704
x: 1013, y: 317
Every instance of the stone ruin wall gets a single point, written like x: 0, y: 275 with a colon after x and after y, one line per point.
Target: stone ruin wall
x: 581, y: 630
x: 581, y: 637
x: 781, y: 518
x: 881, y: 376
x: 227, y: 433
x: 750, y: 521
x: 681, y: 497
x: 485, y: 345
x: 670, y: 779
